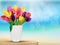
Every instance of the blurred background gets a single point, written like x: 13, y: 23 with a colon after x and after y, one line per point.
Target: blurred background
x: 45, y: 23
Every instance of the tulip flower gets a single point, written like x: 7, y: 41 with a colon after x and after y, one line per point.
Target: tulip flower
x: 18, y: 13
x: 28, y: 19
x: 12, y: 11
x: 28, y: 14
x: 24, y: 14
x: 9, y: 9
x: 5, y: 18
x: 21, y: 19
x: 12, y: 17
x: 6, y: 13
x: 22, y: 9
x: 15, y: 7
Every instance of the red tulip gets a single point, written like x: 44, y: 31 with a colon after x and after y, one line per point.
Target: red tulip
x: 18, y: 13
x: 17, y: 16
x: 28, y: 14
x: 5, y: 18
x: 12, y: 11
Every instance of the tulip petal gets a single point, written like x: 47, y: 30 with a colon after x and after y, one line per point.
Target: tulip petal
x: 18, y: 13
x: 15, y: 7
x: 28, y: 14
x: 12, y: 11
x: 28, y: 19
x: 6, y: 13
x: 24, y: 14
x: 12, y: 17
x: 21, y: 19
x: 22, y: 9
x: 5, y: 18
x: 9, y: 9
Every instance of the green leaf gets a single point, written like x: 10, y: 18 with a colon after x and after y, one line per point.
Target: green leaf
x: 10, y: 28
x: 16, y: 22
x: 11, y: 24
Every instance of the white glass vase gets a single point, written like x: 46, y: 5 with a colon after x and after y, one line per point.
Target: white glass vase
x: 16, y: 33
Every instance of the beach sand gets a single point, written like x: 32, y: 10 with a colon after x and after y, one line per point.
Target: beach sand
x: 7, y: 41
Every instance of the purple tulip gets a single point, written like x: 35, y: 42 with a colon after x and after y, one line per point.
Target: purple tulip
x: 24, y: 14
x: 12, y: 17
x: 28, y: 19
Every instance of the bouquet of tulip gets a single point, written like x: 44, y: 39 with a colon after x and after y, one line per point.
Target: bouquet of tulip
x: 16, y: 16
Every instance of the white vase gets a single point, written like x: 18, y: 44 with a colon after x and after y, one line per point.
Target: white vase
x: 16, y: 33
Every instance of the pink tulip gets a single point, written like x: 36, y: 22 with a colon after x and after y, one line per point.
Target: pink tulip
x: 28, y: 14
x: 9, y: 9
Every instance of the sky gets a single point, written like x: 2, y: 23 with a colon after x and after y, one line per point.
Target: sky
x: 45, y: 22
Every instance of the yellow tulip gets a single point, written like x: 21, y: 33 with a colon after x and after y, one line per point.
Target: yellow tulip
x: 22, y: 9
x: 21, y: 19
x: 9, y: 15
x: 6, y: 13
x: 15, y: 7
